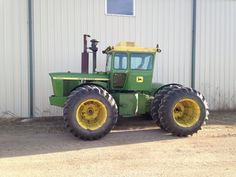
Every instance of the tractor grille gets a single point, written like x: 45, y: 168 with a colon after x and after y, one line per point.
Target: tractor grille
x: 119, y: 80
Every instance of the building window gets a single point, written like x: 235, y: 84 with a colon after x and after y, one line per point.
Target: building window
x: 120, y: 7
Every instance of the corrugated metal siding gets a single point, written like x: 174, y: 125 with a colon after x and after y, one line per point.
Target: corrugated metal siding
x: 59, y: 25
x: 13, y: 58
x: 216, y: 52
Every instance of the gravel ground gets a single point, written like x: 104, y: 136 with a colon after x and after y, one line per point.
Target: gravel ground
x: 41, y: 147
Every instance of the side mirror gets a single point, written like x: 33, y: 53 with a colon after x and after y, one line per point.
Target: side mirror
x: 158, y: 49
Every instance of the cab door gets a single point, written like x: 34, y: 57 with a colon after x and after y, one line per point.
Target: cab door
x: 141, y: 71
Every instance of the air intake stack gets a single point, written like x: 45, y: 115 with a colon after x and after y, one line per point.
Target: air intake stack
x: 85, y: 54
x: 94, y: 49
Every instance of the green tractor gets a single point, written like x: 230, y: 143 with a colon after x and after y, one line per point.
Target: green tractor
x: 93, y: 101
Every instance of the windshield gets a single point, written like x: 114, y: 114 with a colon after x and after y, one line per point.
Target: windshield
x: 141, y: 61
x: 108, y: 64
x: 120, y: 61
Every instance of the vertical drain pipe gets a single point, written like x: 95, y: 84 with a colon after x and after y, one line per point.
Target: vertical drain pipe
x: 30, y: 36
x: 193, y: 66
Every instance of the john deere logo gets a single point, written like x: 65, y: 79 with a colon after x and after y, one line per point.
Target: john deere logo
x: 139, y: 79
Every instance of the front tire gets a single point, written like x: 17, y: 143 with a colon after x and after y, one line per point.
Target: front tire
x: 90, y: 112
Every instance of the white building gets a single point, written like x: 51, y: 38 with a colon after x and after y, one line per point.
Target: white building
x: 197, y: 37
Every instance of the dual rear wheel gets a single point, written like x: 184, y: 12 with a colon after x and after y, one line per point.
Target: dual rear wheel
x: 179, y: 110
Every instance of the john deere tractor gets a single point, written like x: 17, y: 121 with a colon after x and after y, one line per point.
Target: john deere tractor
x: 93, y: 102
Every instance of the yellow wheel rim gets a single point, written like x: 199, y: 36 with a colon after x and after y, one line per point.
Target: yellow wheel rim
x: 186, y: 112
x: 91, y: 114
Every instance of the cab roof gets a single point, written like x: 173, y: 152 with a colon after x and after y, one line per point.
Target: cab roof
x: 128, y: 47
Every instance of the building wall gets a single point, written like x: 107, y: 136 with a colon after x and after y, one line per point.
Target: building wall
x: 14, y: 58
x: 58, y: 26
x: 216, y: 52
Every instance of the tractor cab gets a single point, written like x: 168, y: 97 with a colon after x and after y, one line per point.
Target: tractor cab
x: 130, y: 67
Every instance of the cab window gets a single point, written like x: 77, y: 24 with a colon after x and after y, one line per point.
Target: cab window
x: 108, y: 64
x: 120, y: 61
x: 141, y: 61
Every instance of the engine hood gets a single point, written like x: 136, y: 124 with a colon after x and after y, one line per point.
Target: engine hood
x: 100, y: 76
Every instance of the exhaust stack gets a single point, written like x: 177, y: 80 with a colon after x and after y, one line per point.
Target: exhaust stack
x: 85, y: 56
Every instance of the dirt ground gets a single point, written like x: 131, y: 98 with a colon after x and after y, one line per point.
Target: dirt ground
x: 42, y: 147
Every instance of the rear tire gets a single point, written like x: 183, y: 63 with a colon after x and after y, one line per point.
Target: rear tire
x: 183, y: 111
x: 90, y: 112
x: 155, y: 105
